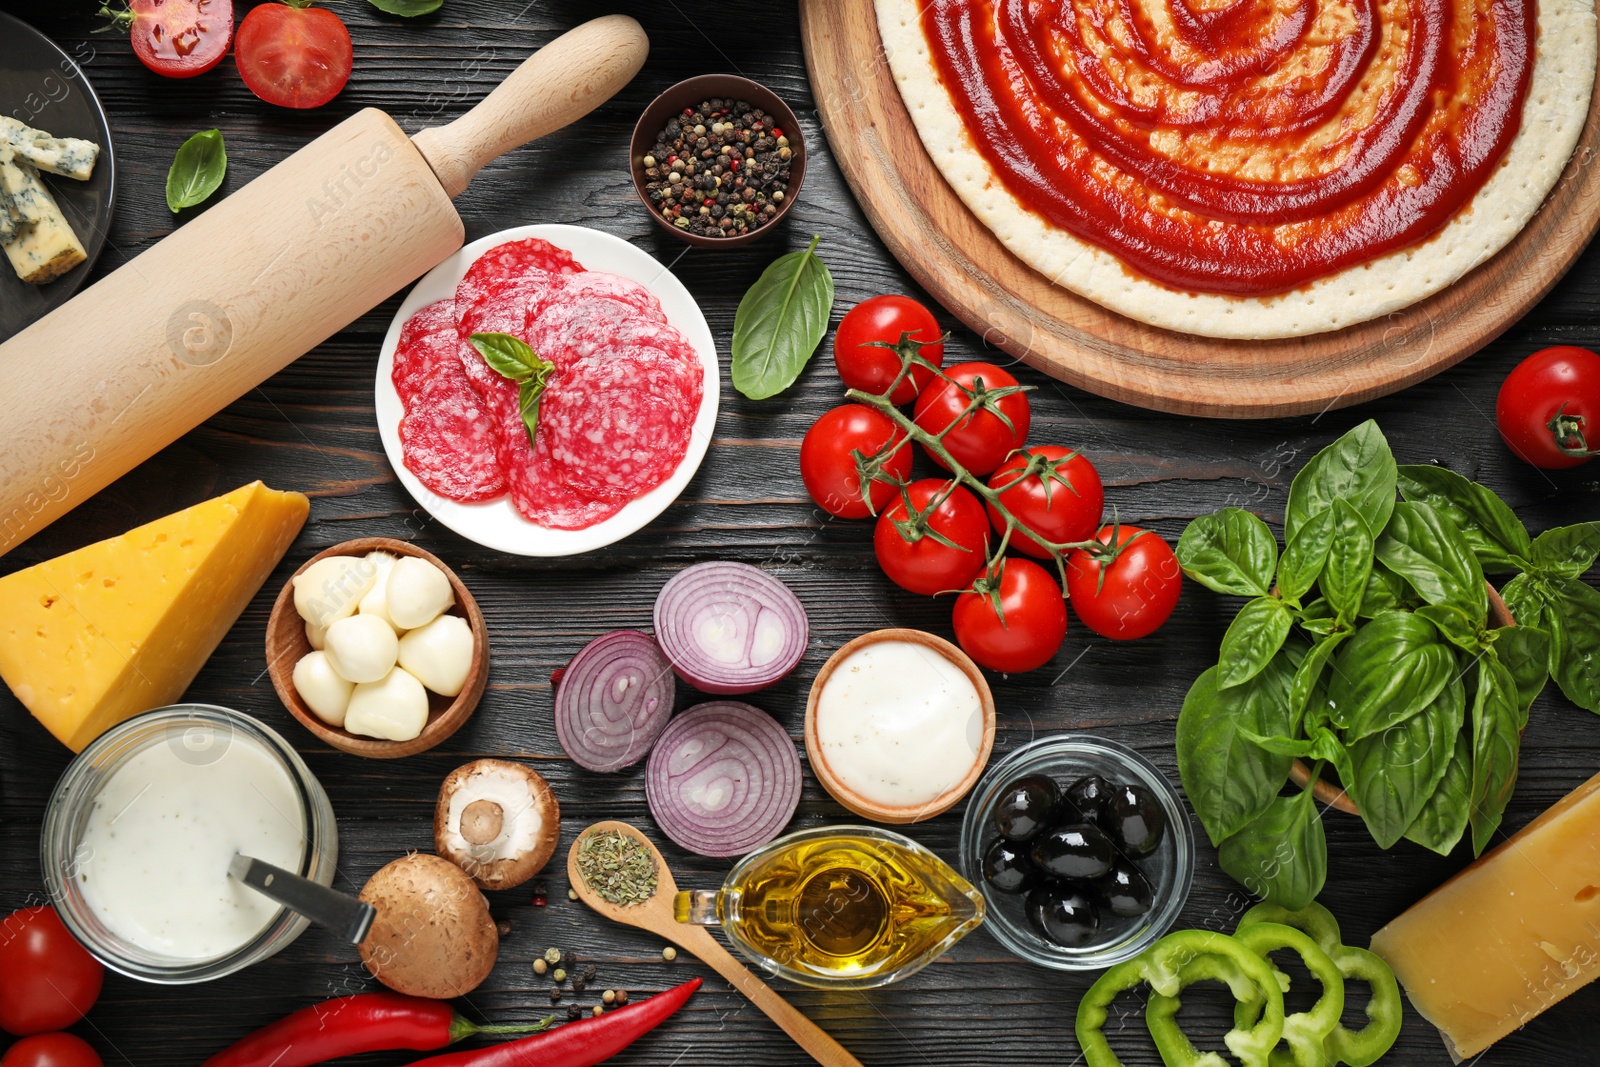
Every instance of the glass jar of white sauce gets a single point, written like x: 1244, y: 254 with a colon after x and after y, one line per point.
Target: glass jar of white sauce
x: 142, y: 825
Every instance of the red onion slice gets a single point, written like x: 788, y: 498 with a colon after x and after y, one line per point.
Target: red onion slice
x: 613, y: 700
x: 724, y: 778
x: 729, y: 627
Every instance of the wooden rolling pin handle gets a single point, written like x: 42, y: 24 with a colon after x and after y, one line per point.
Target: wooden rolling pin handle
x: 558, y: 84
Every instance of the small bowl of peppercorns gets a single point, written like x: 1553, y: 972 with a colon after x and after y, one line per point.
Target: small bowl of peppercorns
x: 718, y: 160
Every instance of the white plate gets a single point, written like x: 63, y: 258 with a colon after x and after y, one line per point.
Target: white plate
x: 497, y: 524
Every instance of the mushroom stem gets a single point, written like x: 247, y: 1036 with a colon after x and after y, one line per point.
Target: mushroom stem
x: 481, y: 821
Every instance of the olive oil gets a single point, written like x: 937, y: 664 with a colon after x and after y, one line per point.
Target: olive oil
x: 849, y: 907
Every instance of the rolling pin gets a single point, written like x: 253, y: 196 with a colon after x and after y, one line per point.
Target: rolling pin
x: 138, y: 359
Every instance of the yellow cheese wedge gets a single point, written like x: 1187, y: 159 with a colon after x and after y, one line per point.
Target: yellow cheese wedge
x: 1509, y: 936
x: 89, y: 638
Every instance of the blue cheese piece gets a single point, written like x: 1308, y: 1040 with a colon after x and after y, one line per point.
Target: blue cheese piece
x: 10, y: 217
x: 21, y: 191
x: 44, y: 248
x: 70, y: 157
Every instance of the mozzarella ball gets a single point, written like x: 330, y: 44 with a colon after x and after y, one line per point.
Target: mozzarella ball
x: 320, y: 686
x: 317, y: 636
x: 362, y: 648
x: 376, y: 602
x: 418, y: 592
x: 332, y: 588
x: 439, y: 654
x: 394, y: 709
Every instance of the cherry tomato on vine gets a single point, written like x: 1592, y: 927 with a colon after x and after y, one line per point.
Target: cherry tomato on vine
x: 912, y: 549
x: 1028, y: 628
x: 981, y: 440
x: 864, y: 364
x: 292, y: 54
x: 51, y: 1050
x: 176, y: 38
x: 1139, y: 588
x: 828, y: 462
x: 1548, y: 409
x: 1052, y: 490
x: 47, y: 980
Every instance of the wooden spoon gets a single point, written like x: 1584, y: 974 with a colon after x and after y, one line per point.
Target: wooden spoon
x: 655, y: 915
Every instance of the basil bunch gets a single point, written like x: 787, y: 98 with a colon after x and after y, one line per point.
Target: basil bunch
x: 1365, y: 645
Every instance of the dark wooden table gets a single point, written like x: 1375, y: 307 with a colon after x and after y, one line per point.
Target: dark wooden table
x: 311, y: 428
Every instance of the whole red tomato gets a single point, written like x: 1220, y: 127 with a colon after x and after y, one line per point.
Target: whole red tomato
x: 1548, y: 407
x: 1027, y: 629
x: 47, y: 980
x: 177, y: 38
x: 828, y: 460
x: 1054, y: 491
x: 981, y: 440
x: 862, y: 360
x: 51, y: 1050
x: 1133, y: 594
x: 913, y: 558
x: 293, y: 55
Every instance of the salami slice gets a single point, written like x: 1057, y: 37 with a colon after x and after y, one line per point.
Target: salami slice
x: 446, y: 436
x: 427, y: 340
x: 511, y: 261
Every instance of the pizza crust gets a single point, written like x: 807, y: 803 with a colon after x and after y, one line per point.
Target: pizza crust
x: 1553, y: 117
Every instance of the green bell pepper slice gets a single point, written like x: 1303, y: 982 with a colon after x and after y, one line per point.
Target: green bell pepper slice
x: 1305, y: 1032
x: 1358, y: 1048
x: 1170, y: 964
x: 1257, y: 1027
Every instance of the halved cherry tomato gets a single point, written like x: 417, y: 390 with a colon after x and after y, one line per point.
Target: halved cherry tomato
x: 47, y: 980
x: 1027, y: 629
x: 980, y: 441
x: 862, y: 361
x: 177, y: 38
x: 293, y: 55
x: 828, y: 460
x: 942, y: 550
x: 1055, y: 491
x: 1139, y: 588
x: 51, y: 1050
x: 1548, y: 410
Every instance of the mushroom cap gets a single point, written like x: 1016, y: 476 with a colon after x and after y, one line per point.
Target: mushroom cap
x: 498, y: 821
x: 432, y: 936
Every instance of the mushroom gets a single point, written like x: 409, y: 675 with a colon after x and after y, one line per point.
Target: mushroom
x: 498, y: 821
x: 432, y: 936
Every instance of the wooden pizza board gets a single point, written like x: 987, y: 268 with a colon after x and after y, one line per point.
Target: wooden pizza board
x: 966, y: 268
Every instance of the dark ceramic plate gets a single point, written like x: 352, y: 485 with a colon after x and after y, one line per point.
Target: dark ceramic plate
x: 42, y: 86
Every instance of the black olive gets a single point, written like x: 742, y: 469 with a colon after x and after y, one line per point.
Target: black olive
x: 1077, y: 850
x: 1133, y: 820
x: 1007, y: 868
x: 1062, y: 914
x: 1025, y: 807
x: 1124, y: 891
x: 1087, y: 797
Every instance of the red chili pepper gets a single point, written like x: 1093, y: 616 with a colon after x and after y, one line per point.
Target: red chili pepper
x: 366, y: 1022
x: 579, y: 1044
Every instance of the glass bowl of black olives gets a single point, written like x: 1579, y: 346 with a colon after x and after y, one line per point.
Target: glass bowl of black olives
x: 1082, y: 849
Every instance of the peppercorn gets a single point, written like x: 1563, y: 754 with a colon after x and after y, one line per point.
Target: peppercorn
x: 574, y: 1013
x: 560, y: 974
x: 555, y: 994
x: 552, y: 955
x: 503, y: 928
x: 609, y: 996
x: 598, y: 1010
x: 540, y: 966
x: 622, y: 996
x: 669, y: 953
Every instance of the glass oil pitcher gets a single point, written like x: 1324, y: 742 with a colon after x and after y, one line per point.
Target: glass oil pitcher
x: 839, y: 907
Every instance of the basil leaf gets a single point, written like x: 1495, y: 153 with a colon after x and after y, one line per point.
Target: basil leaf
x: 1525, y: 652
x: 1574, y: 625
x: 1282, y: 854
x: 1430, y: 553
x: 780, y: 323
x: 1230, y: 551
x: 1496, y: 535
x: 1253, y: 638
x: 1393, y: 773
x: 408, y: 8
x: 1357, y: 468
x: 1496, y: 745
x: 1309, y: 673
x: 1305, y: 555
x: 1453, y: 623
x: 1443, y: 819
x: 1392, y: 669
x: 510, y: 357
x: 1344, y: 576
x: 197, y: 170
x: 1386, y: 591
x: 1567, y: 551
x: 1228, y: 779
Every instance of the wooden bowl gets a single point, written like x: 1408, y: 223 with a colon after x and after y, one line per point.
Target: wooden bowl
x: 287, y: 643
x: 690, y: 94
x: 1330, y: 795
x: 852, y: 800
